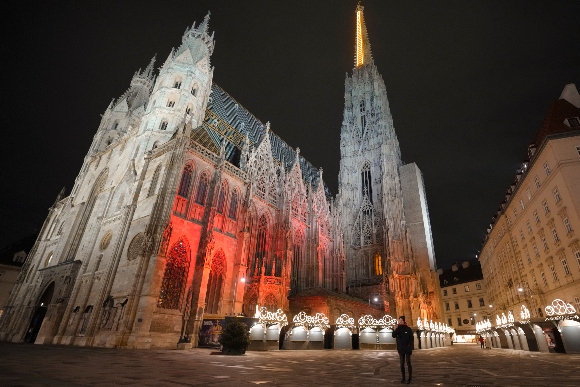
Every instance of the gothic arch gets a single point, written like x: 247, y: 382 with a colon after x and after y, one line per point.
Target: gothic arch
x: 271, y: 302
x: 202, y: 187
x: 234, y: 204
x: 223, y: 195
x: 175, y: 275
x: 261, y: 244
x: 186, y: 182
x: 88, y: 209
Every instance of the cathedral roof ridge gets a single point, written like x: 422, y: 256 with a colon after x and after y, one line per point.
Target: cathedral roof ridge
x: 227, y: 118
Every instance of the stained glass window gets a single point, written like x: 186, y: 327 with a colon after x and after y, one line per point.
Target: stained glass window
x: 233, y: 206
x: 222, y: 199
x: 202, y: 189
x: 215, y: 282
x: 260, y: 251
x: 185, y: 183
x: 175, y: 276
x: 367, y: 187
x: 378, y: 264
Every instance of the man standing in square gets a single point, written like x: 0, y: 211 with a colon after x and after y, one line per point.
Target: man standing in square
x: 405, y: 345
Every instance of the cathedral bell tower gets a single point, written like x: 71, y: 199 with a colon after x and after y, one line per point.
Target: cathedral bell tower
x: 369, y: 184
x: 183, y: 86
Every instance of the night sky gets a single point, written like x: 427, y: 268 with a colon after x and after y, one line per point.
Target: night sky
x: 468, y: 82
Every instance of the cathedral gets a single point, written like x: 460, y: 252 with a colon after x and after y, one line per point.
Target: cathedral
x: 188, y: 207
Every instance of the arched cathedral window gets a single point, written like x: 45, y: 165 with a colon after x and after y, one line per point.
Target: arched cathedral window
x: 222, y: 198
x: 185, y: 184
x: 378, y: 264
x: 233, y: 206
x: 163, y: 125
x: 154, y: 179
x: 363, y: 116
x: 367, y: 187
x: 175, y: 276
x: 271, y: 303
x: 260, y: 251
x: 215, y: 282
x: 298, y: 263
x: 202, y: 189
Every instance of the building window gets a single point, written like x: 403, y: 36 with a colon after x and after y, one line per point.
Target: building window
x: 567, y: 225
x: 509, y: 221
x: 170, y: 104
x: 378, y: 264
x: 547, y: 168
x: 363, y: 115
x: 536, y: 217
x: 554, y: 275
x: 565, y: 266
x: 177, y: 84
x: 450, y: 322
x: 202, y: 189
x: 454, y: 290
x: 444, y: 292
x: 546, y: 208
x: 478, y: 286
x: 577, y: 302
x: 367, y: 188
x: 544, y: 243
x: 522, y: 204
x: 536, y: 250
x: 544, y: 280
x: 188, y: 110
x: 515, y: 213
x: 193, y: 91
x: 578, y: 150
x: 466, y: 288
x: 555, y: 236
x: 577, y: 255
x: 456, y: 305
x: 557, y: 196
x: 522, y: 234
x: 481, y: 302
x: 174, y: 277
x: 446, y: 306
x: 458, y: 321
x: 528, y: 194
x: 185, y: 183
x: 528, y: 258
x: 528, y: 226
x: 535, y: 281
x: 163, y: 125
x: 520, y: 263
x: 233, y: 206
x: 260, y: 247
x: 573, y: 122
x: 537, y: 182
x: 154, y: 180
x: 215, y: 283
x: 115, y: 125
x: 222, y: 199
x: 469, y: 304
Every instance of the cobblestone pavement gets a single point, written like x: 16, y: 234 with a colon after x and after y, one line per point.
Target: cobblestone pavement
x: 459, y: 365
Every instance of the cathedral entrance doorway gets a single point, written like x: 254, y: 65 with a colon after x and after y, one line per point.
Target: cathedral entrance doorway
x: 39, y: 313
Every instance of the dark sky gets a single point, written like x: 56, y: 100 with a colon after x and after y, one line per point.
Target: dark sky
x: 469, y: 83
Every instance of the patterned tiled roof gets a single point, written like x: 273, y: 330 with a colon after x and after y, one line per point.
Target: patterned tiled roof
x: 226, y: 118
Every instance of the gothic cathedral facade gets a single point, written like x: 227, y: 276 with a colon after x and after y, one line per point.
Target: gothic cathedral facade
x: 188, y: 207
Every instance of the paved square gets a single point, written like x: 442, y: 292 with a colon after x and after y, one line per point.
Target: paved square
x: 459, y: 365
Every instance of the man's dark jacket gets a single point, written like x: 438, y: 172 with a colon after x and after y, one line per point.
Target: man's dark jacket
x: 405, y: 339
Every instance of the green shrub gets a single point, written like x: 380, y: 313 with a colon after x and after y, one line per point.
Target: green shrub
x: 235, y: 338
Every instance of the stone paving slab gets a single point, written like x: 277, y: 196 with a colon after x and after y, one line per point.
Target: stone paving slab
x: 459, y: 365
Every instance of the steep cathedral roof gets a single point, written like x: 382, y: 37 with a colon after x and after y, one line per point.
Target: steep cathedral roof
x: 226, y: 118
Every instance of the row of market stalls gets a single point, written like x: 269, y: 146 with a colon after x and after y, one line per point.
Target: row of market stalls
x: 559, y: 332
x: 272, y: 331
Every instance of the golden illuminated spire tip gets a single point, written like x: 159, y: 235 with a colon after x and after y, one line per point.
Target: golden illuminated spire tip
x: 362, y: 46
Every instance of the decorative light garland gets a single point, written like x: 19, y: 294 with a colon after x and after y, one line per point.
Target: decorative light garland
x: 368, y: 321
x: 319, y: 320
x: 345, y: 321
x: 483, y: 326
x: 271, y: 318
x: 561, y: 310
x: 524, y: 315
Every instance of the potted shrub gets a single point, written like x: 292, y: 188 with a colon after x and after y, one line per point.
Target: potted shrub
x: 235, y: 338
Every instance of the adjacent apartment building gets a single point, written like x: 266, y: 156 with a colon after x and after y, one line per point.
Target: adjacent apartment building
x: 464, y: 300
x: 531, y: 254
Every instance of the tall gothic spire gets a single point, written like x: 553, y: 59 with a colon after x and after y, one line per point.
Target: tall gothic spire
x: 362, y: 48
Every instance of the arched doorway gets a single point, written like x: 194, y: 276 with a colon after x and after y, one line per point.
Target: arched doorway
x: 39, y: 313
